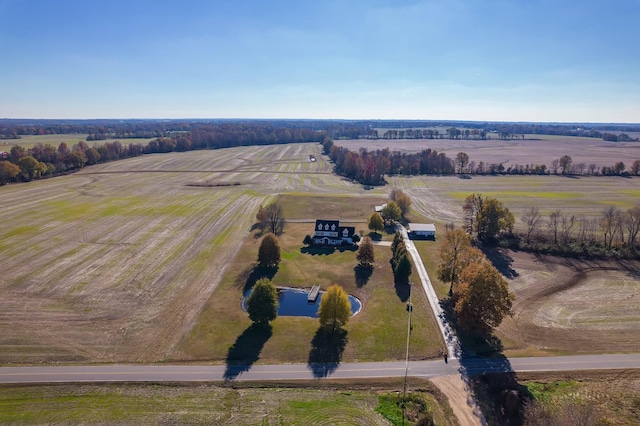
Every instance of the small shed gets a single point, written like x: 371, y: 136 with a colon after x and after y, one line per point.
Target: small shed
x: 380, y: 208
x: 422, y: 230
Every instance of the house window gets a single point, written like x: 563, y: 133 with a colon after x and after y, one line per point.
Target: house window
x: 345, y: 233
x: 333, y: 227
x: 319, y: 226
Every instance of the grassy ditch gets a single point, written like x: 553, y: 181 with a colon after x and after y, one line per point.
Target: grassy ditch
x: 295, y: 403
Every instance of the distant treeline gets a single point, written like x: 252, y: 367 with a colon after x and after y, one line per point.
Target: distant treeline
x: 369, y: 167
x: 500, y: 132
x: 335, y: 129
x: 46, y: 160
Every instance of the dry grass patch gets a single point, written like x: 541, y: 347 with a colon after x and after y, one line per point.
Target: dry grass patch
x: 325, y: 402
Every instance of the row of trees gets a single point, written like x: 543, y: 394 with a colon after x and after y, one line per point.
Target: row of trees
x: 50, y: 161
x: 451, y: 133
x: 369, y: 167
x: 400, y: 262
x: 478, y: 291
x: 613, y: 233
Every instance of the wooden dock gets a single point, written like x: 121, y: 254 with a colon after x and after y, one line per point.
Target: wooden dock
x: 313, y: 294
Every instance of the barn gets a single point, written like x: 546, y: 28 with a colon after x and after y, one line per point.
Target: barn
x: 422, y: 230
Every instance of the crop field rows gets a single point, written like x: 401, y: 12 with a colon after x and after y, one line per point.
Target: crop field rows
x: 534, y: 149
x: 115, y: 262
x: 441, y: 198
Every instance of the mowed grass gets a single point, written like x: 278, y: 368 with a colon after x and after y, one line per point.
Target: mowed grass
x: 175, y: 404
x: 293, y: 403
x: 377, y: 333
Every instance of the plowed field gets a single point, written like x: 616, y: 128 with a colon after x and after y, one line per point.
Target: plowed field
x: 114, y: 263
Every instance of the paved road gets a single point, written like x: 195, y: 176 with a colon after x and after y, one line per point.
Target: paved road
x: 194, y: 373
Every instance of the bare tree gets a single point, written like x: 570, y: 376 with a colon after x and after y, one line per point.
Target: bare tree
x: 566, y: 224
x: 633, y: 223
x: 608, y: 227
x: 553, y: 224
x: 554, y: 166
x: 275, y: 218
x: 580, y: 168
x: 592, y: 168
x: 531, y: 218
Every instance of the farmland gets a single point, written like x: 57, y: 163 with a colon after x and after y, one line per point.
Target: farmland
x: 124, y: 261
x: 116, y: 262
x: 534, y: 149
x: 29, y: 141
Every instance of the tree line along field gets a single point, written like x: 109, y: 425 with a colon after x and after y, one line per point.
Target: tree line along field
x: 29, y: 141
x: 533, y: 149
x: 562, y: 305
x: 122, y: 261
x: 116, y: 262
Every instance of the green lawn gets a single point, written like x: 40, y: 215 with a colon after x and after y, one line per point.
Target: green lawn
x: 377, y: 333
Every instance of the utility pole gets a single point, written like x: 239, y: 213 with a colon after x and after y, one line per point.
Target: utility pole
x: 406, y: 359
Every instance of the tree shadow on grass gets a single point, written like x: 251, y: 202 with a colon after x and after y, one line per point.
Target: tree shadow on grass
x: 375, y: 236
x: 362, y: 274
x: 318, y: 250
x: 403, y: 290
x: 326, y: 351
x: 502, y: 261
x: 248, y: 278
x: 246, y: 350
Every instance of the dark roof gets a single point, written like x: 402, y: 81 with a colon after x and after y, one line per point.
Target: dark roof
x: 350, y: 231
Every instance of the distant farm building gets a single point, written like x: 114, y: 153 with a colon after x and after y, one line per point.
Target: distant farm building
x: 380, y: 208
x: 422, y: 230
x: 330, y: 233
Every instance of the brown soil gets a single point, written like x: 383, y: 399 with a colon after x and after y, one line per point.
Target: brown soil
x: 535, y: 149
x: 572, y: 305
x: 460, y: 399
x: 115, y: 263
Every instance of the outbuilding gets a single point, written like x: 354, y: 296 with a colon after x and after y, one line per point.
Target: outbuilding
x: 422, y: 230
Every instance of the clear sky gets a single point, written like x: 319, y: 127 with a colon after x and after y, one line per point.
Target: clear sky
x: 509, y: 60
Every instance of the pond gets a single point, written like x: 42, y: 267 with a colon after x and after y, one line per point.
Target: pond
x: 293, y: 303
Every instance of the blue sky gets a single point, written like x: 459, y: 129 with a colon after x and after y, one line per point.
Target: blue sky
x: 519, y: 60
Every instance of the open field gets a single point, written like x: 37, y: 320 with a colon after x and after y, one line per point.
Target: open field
x: 115, y: 263
x: 29, y: 141
x: 534, y: 149
x: 352, y: 403
x: 441, y: 198
x: 570, y: 306
x: 119, y: 262
x: 561, y: 306
x: 122, y: 258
